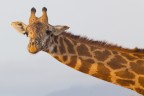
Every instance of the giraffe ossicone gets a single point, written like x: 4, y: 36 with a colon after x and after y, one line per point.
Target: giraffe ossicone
x: 108, y: 62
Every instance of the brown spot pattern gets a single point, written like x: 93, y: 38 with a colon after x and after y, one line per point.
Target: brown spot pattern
x: 74, y: 42
x: 128, y: 56
x: 55, y: 49
x: 62, y: 47
x: 83, y: 50
x: 56, y: 57
x: 139, y: 90
x: 114, y: 52
x: 117, y: 62
x: 138, y: 67
x: 73, y: 61
x: 103, y: 72
x: 125, y: 82
x: 70, y: 46
x: 102, y: 55
x: 86, y: 64
x: 125, y: 74
x: 65, y: 58
x: 93, y: 48
x: 106, y: 78
x: 56, y: 39
x: 139, y: 55
x: 141, y: 81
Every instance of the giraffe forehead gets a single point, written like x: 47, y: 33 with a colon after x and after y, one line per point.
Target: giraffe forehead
x: 37, y: 26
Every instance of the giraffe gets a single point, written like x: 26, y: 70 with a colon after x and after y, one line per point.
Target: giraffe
x: 112, y: 63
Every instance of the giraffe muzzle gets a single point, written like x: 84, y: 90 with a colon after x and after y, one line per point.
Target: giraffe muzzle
x: 34, y: 46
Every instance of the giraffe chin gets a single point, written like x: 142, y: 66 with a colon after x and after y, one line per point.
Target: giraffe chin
x: 33, y: 50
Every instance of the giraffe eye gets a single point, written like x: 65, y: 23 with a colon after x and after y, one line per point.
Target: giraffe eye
x: 19, y: 24
x: 48, y: 32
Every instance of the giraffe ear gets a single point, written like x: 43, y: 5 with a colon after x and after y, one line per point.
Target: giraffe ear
x: 59, y: 29
x: 19, y: 26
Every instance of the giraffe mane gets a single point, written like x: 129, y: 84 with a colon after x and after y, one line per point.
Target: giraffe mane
x: 100, y: 43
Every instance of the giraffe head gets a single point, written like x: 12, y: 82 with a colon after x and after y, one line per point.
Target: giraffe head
x: 38, y: 30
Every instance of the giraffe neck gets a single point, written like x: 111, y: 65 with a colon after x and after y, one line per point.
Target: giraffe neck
x: 112, y: 65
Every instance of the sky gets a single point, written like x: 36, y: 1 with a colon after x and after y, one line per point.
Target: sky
x: 119, y: 22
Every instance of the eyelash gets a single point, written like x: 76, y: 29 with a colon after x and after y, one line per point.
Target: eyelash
x: 26, y: 33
